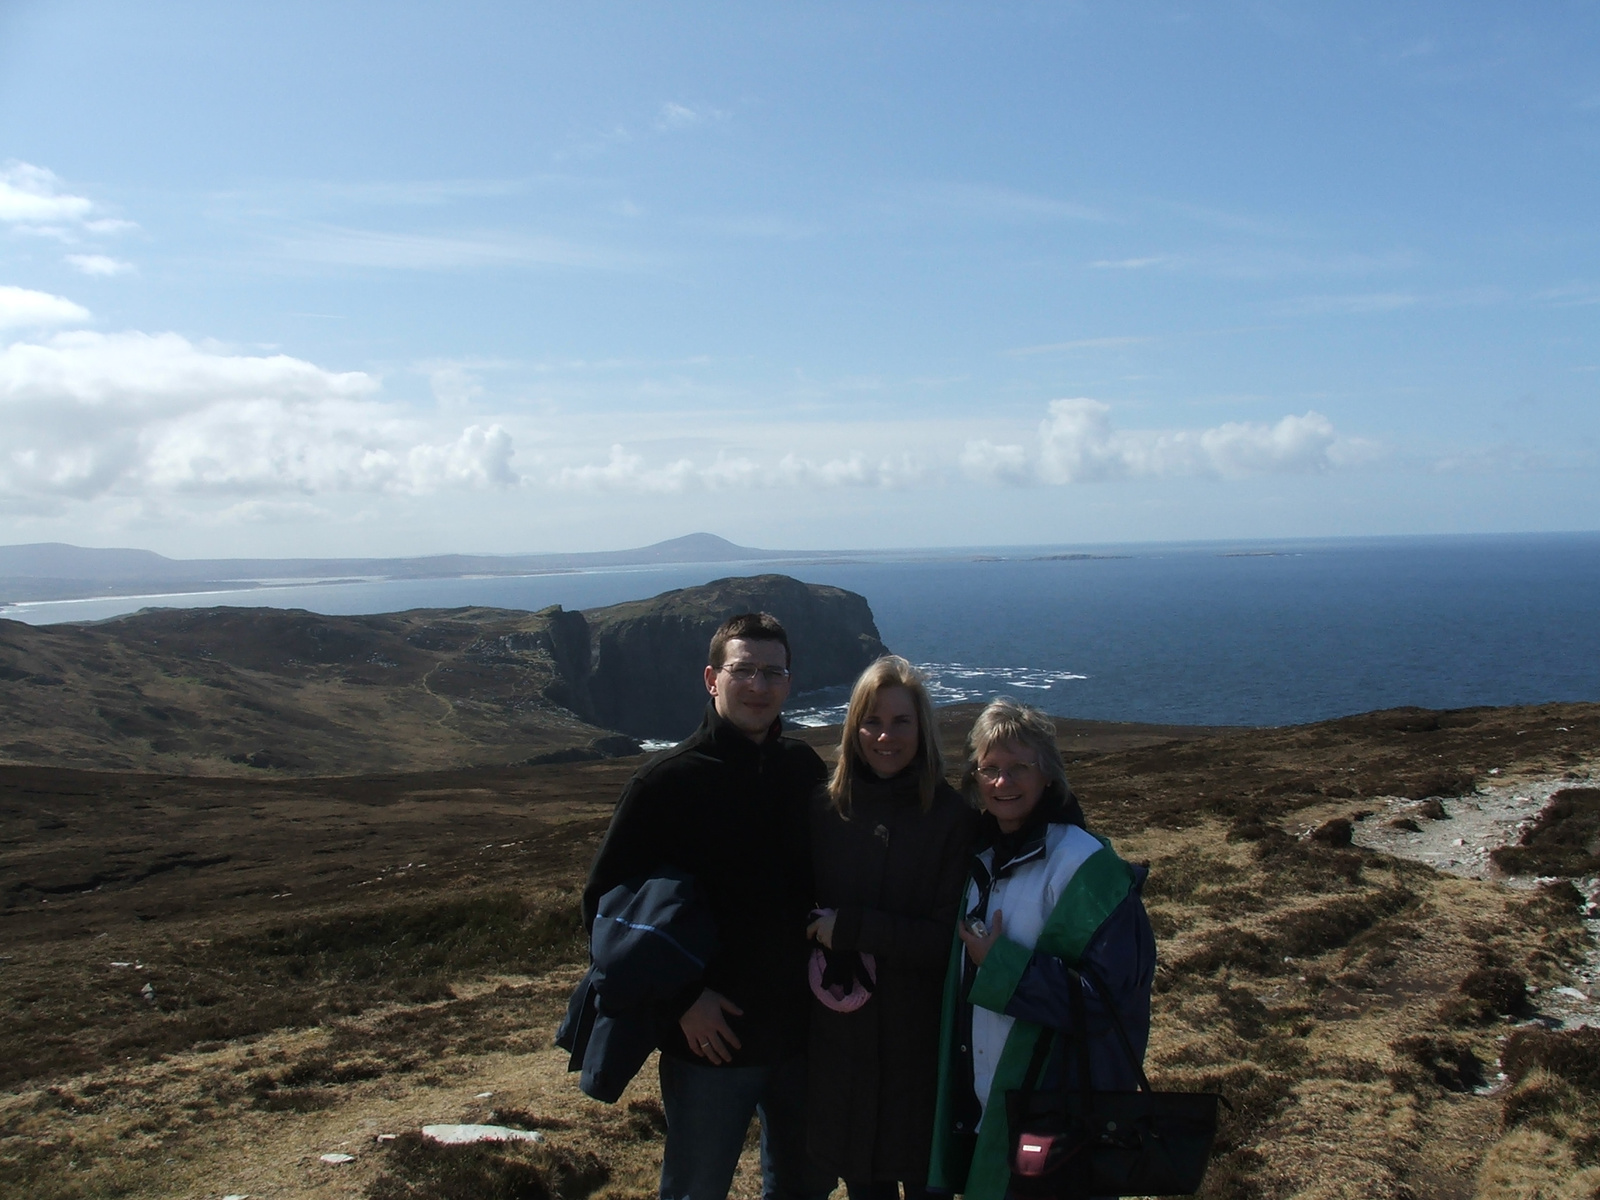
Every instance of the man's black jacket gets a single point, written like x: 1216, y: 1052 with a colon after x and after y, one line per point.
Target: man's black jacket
x: 733, y: 814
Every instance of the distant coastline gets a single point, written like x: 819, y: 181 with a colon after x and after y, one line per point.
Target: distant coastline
x: 36, y: 577
x: 1262, y: 632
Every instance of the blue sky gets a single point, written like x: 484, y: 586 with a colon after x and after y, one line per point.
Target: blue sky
x: 401, y: 279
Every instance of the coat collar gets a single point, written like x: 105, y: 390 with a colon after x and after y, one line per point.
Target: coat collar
x: 901, y: 787
x: 732, y: 743
x: 1011, y: 851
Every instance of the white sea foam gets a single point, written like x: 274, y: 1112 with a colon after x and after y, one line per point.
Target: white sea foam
x: 948, y: 683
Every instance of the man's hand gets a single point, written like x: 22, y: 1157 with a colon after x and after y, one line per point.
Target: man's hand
x: 822, y: 928
x: 978, y: 947
x: 706, y: 1029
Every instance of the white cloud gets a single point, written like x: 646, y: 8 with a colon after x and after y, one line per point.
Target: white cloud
x: 98, y: 264
x: 1077, y: 443
x: 424, y: 252
x: 859, y: 470
x: 22, y: 308
x: 984, y: 461
x: 626, y: 471
x: 1132, y: 264
x: 453, y: 384
x: 1261, y: 262
x: 266, y: 512
x: 480, y: 458
x: 34, y: 204
x: 673, y: 115
x: 91, y: 415
x: 33, y: 195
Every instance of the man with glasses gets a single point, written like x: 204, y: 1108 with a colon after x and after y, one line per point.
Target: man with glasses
x: 729, y: 807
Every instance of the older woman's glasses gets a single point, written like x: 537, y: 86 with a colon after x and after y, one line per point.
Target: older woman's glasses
x: 749, y: 673
x: 1017, y: 772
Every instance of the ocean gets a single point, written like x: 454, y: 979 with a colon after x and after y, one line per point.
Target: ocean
x: 1253, y: 633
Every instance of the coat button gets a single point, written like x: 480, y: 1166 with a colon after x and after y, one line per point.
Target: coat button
x: 963, y: 1049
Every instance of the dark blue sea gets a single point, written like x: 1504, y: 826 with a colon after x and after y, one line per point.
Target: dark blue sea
x: 1253, y: 633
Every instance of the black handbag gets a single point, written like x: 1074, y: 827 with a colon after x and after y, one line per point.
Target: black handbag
x: 1077, y: 1143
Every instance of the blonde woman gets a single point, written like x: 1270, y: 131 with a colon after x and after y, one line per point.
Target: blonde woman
x: 890, y: 839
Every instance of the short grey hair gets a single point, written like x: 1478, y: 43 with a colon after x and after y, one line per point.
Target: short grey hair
x: 1008, y: 720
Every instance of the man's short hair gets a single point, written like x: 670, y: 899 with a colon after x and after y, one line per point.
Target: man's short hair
x: 752, y: 627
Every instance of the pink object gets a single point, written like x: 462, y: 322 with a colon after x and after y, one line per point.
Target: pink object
x: 1033, y: 1153
x: 835, y: 997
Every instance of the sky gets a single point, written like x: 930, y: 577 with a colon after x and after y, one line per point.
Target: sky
x: 394, y: 279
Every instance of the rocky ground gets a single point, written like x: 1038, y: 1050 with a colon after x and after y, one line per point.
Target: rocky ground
x: 210, y: 984
x: 1460, y: 835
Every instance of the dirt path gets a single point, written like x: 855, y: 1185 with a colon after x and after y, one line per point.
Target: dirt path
x: 1462, y: 841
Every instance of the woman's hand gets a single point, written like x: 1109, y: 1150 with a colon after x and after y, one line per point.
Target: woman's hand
x: 821, y: 929
x: 978, y: 947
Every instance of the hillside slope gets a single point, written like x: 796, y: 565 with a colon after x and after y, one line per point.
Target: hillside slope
x: 231, y: 690
x: 210, y: 983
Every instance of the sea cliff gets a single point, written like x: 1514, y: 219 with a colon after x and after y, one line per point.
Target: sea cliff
x: 239, y: 690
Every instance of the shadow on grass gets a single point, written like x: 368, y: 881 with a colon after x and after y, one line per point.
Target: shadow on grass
x: 418, y: 1169
x: 288, y: 976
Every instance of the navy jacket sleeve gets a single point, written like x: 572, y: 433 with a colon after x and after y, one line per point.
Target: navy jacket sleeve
x: 1122, y: 953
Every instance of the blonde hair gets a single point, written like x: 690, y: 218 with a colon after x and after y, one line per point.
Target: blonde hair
x: 1008, y: 720
x: 890, y: 671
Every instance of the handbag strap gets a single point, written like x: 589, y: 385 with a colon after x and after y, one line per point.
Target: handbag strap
x: 1051, y: 1043
x: 1080, y: 1033
x: 1086, y: 972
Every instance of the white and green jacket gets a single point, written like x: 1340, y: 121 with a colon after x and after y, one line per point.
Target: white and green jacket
x: 1067, y: 900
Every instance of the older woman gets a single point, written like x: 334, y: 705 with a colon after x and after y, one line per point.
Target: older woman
x: 1044, y: 899
x: 890, y: 839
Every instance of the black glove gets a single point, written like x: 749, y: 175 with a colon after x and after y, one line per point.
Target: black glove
x: 842, y: 969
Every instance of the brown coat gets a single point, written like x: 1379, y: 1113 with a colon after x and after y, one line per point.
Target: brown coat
x: 895, y: 875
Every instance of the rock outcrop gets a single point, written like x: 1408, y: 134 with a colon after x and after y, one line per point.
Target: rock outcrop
x: 241, y: 690
x: 646, y: 657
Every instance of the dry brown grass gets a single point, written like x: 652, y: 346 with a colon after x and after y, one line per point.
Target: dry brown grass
x: 1347, y: 1003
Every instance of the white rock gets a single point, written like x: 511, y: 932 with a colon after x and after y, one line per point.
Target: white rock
x: 237, y: 1196
x: 336, y: 1159
x: 456, y: 1135
x: 1571, y: 991
x: 149, y: 993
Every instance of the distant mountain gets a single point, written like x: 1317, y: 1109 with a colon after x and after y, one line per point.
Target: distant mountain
x: 229, y: 690
x: 57, y: 571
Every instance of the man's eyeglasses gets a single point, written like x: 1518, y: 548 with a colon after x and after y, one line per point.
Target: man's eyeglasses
x: 1018, y: 772
x: 749, y: 673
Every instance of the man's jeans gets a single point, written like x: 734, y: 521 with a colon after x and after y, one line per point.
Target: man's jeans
x: 708, y: 1112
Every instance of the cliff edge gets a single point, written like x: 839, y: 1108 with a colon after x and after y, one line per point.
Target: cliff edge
x: 237, y: 690
x: 663, y: 641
